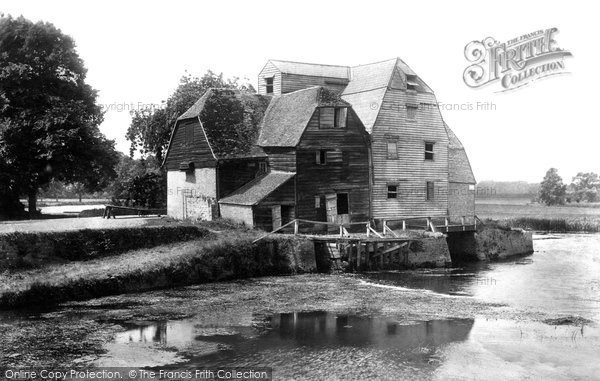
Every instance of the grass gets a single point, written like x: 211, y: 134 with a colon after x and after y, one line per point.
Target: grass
x: 226, y: 257
x: 564, y: 218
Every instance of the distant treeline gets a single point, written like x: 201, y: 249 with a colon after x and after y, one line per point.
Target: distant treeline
x: 507, y: 188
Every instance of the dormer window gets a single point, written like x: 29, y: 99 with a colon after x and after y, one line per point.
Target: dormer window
x: 412, y: 83
x: 269, y: 85
x: 333, y: 117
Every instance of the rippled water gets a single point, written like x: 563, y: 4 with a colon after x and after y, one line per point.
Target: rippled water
x: 561, y: 277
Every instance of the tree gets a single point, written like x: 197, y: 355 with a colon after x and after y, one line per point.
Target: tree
x: 585, y: 187
x: 552, y: 190
x: 150, y: 129
x: 49, y: 119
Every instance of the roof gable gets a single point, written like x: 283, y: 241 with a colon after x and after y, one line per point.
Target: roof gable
x: 288, y: 115
x: 230, y: 119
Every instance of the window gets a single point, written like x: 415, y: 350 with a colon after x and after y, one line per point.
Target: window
x: 321, y: 157
x: 430, y: 191
x: 326, y: 117
x: 428, y: 151
x: 392, y: 191
x: 341, y: 117
x: 333, y: 117
x: 269, y: 85
x: 342, y: 203
x: 411, y: 82
x: 392, y: 149
x: 411, y: 112
x: 471, y: 187
x: 262, y: 166
x: 317, y: 202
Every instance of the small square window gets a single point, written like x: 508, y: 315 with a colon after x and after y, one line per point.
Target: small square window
x: 269, y: 85
x: 430, y: 191
x: 392, y: 191
x: 392, y: 149
x: 471, y: 187
x: 321, y: 157
x: 429, y: 151
x: 412, y: 83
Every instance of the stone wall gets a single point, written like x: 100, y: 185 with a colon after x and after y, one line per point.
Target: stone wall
x: 238, y: 213
x: 192, y: 194
x: 489, y: 243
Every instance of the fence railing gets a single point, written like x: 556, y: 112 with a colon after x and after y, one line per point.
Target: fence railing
x: 430, y: 225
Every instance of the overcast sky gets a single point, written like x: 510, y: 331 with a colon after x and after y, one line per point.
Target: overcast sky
x: 136, y: 52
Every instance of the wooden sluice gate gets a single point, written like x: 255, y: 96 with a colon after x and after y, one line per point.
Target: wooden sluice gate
x: 363, y: 254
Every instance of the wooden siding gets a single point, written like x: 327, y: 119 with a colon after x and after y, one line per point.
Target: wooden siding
x: 269, y: 71
x: 281, y: 158
x: 410, y: 171
x: 182, y: 149
x: 348, y: 174
x: 293, y: 82
x: 232, y: 174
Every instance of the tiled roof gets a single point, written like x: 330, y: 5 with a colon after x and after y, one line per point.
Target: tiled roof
x: 459, y: 168
x: 371, y: 76
x: 259, y: 188
x: 288, y: 115
x: 302, y: 68
x: 254, y: 106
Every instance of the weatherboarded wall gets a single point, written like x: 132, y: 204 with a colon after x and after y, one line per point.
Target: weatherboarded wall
x: 409, y: 170
x: 346, y: 170
x: 192, y: 194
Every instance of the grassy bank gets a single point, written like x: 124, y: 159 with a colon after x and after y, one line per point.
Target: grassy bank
x: 563, y: 218
x: 173, y: 265
x: 557, y: 225
x: 21, y: 250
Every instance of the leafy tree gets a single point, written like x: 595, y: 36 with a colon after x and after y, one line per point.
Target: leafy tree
x: 49, y: 119
x: 552, y: 190
x: 138, y: 183
x: 150, y: 129
x: 585, y: 187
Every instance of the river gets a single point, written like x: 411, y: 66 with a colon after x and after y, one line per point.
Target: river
x: 533, y: 317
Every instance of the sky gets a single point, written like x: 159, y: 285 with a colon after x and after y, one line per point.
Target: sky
x: 136, y: 52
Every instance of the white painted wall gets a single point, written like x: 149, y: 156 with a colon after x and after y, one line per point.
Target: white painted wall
x: 238, y: 213
x: 192, y: 195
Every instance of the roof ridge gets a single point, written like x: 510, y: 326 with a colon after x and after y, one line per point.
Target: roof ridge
x: 309, y: 63
x: 373, y: 63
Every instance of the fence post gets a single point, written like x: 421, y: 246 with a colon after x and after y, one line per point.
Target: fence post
x: 403, y: 224
x: 368, y: 230
x: 295, y: 227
